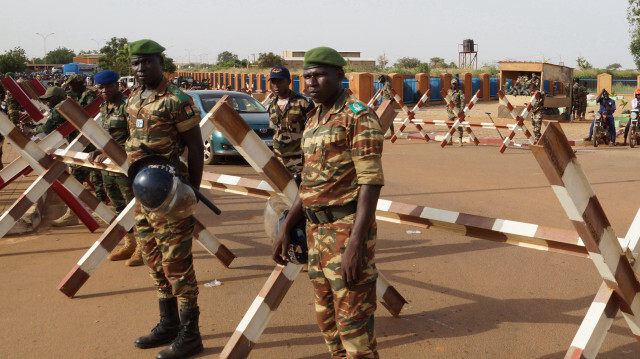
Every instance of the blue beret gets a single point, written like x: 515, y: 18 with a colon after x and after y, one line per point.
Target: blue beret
x: 106, y: 77
x: 280, y: 72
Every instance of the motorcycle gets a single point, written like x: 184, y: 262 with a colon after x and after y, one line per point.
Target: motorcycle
x: 600, y: 129
x: 634, y: 132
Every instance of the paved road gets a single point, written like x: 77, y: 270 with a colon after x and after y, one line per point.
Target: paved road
x: 468, y: 298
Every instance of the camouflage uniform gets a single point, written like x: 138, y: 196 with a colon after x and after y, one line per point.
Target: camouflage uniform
x: 288, y: 125
x: 80, y: 173
x: 534, y: 80
x: 536, y: 117
x: 54, y: 121
x: 386, y: 95
x: 582, y: 101
x: 457, y: 97
x: 13, y: 108
x: 575, y: 102
x: 342, y: 151
x: 158, y: 121
x: 114, y: 121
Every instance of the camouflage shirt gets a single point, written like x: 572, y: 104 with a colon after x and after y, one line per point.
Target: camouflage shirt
x: 540, y: 104
x: 54, y: 121
x: 288, y: 125
x: 158, y: 120
x: 83, y: 98
x: 457, y: 97
x: 342, y: 150
x: 114, y: 119
x: 386, y: 89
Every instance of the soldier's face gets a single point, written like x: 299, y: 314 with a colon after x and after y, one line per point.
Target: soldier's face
x: 322, y: 83
x: 109, y: 91
x: 280, y: 87
x: 147, y: 69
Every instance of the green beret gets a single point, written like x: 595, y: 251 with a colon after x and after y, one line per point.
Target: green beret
x: 144, y: 47
x: 323, y: 56
x: 10, y: 74
x: 54, y: 91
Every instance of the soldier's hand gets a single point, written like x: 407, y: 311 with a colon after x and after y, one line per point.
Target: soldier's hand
x: 279, y: 252
x: 351, y: 266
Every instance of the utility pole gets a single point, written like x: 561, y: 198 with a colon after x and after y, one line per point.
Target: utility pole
x: 44, y: 40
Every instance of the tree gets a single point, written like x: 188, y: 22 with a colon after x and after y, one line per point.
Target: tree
x: 270, y: 60
x: 61, y: 55
x: 583, y: 63
x: 383, y: 61
x: 116, y: 56
x: 633, y: 16
x: 168, y: 67
x: 436, y: 62
x: 13, y: 60
x: 615, y: 66
x: 226, y: 56
x: 408, y: 62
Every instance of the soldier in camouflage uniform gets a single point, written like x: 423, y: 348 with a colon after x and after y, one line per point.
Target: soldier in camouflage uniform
x: 117, y: 186
x: 83, y: 96
x: 575, y: 105
x: 457, y: 97
x: 13, y: 106
x: 582, y: 100
x: 536, y: 113
x: 53, y: 97
x: 165, y: 119
x: 287, y: 116
x: 341, y: 182
x: 386, y: 95
x: 534, y: 80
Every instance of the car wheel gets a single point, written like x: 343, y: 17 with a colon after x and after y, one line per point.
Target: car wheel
x: 209, y: 157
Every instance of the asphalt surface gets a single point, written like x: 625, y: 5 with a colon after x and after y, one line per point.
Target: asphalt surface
x: 468, y: 298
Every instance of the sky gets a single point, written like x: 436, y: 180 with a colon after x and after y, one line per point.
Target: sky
x: 197, y: 30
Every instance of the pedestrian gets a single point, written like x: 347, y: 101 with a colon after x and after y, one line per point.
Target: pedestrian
x: 386, y: 95
x: 457, y: 97
x: 164, y: 118
x: 117, y: 186
x: 287, y: 116
x: 537, y: 112
x: 341, y: 181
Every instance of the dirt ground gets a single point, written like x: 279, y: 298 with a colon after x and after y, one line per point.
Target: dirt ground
x: 468, y: 298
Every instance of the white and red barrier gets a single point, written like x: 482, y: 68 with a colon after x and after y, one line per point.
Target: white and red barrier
x: 411, y: 114
x: 460, y: 118
x: 519, y: 119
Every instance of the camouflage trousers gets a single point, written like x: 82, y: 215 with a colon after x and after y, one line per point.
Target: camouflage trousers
x: 118, y: 189
x: 291, y: 160
x: 80, y: 173
x: 166, y: 250
x: 345, y: 316
x: 453, y: 118
x: 536, y: 122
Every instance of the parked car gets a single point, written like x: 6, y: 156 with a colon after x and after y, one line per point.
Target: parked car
x: 250, y: 109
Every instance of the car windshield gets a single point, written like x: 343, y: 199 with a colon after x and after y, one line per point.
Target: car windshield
x: 240, y: 104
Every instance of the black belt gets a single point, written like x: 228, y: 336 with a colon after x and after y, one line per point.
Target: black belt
x: 330, y: 214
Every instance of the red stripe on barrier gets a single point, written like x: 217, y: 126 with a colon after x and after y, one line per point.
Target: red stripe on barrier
x: 22, y: 98
x: 75, y: 205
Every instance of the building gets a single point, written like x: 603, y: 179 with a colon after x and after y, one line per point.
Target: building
x: 91, y: 59
x: 294, y: 59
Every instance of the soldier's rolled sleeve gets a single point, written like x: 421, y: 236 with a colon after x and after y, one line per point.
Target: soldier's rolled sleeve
x: 366, y: 150
x: 188, y: 117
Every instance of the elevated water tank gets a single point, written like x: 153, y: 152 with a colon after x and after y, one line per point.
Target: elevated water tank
x: 467, y: 45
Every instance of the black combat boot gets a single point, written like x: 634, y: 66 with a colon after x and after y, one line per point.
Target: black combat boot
x: 188, y: 342
x: 167, y: 330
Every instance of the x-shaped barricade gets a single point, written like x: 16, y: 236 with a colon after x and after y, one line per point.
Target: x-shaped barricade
x: 460, y: 116
x: 519, y: 119
x: 411, y: 115
x: 258, y: 155
x: 34, y: 109
x: 620, y: 289
x: 125, y: 221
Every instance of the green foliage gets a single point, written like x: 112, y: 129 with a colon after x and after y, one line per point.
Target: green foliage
x: 61, y: 55
x: 168, y: 66
x: 383, y: 61
x: 227, y: 60
x: 407, y: 62
x: 583, y: 63
x: 614, y: 66
x: 13, y: 60
x: 226, y: 56
x: 269, y: 60
x: 633, y: 16
x: 116, y: 56
x: 437, y: 62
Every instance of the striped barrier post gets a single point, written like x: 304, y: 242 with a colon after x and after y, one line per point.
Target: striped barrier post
x: 267, y: 99
x: 460, y: 118
x: 117, y: 158
x: 260, y: 157
x: 372, y: 103
x: 23, y: 99
x: 519, y: 118
x: 570, y: 184
x: 37, y: 87
x: 410, y: 115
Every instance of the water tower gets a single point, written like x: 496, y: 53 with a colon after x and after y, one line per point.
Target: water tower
x: 468, y: 54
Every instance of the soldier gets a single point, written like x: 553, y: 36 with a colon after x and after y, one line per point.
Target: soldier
x: 575, y: 102
x: 583, y: 99
x: 386, y: 95
x: 522, y: 80
x: 83, y: 96
x: 117, y: 186
x: 164, y: 118
x: 534, y: 80
x: 287, y: 116
x: 341, y: 182
x: 13, y: 106
x: 536, y: 112
x: 457, y: 97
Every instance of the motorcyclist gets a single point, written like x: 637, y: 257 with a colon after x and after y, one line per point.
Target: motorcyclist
x: 634, y: 106
x: 607, y: 107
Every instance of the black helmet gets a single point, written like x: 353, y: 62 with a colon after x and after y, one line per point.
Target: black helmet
x: 152, y: 185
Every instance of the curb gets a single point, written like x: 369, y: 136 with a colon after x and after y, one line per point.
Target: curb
x: 485, y: 141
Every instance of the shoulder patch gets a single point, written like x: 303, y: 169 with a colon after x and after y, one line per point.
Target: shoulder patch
x: 182, y: 97
x: 357, y: 107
